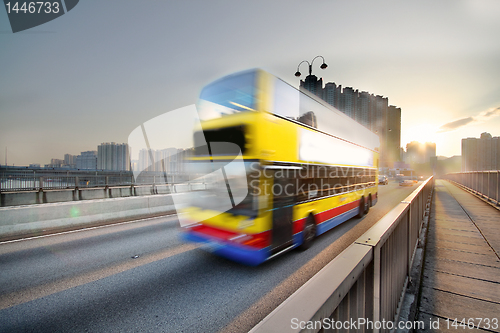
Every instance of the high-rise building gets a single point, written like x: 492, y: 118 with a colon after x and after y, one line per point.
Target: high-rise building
x: 379, y: 115
x: 479, y: 154
x: 419, y: 153
x: 113, y: 156
x: 413, y: 153
x: 363, y: 115
x: 69, y: 159
x: 495, y: 153
x: 87, y: 160
x: 369, y: 110
x: 429, y: 152
x: 313, y: 84
x: 469, y: 154
x: 393, y: 135
x: 332, y: 94
x: 164, y: 160
x: 349, y: 102
x: 145, y: 160
x: 56, y: 162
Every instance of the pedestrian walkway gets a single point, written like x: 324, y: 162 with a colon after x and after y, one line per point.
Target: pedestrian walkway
x: 461, y: 280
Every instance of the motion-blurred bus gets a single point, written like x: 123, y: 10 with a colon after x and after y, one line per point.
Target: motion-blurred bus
x: 294, y: 168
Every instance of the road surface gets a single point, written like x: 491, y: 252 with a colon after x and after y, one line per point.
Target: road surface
x: 139, y: 276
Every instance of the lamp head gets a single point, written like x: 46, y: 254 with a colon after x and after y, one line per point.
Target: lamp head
x: 297, y: 74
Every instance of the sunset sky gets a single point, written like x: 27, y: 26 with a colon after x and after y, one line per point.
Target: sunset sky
x: 104, y: 68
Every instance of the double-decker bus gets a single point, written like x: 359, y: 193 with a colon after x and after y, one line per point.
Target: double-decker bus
x: 304, y: 168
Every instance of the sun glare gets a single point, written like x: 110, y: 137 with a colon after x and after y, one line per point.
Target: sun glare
x: 424, y: 133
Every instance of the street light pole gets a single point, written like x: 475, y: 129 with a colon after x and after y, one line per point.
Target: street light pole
x: 323, y: 65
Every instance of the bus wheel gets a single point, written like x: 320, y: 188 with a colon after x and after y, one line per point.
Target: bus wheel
x: 308, y: 233
x: 362, y: 208
x: 368, y: 204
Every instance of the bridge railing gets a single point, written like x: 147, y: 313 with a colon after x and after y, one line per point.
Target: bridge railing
x: 485, y: 184
x: 27, y: 187
x: 17, y: 180
x: 362, y: 288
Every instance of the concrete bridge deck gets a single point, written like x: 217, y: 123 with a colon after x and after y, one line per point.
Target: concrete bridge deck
x: 461, y: 278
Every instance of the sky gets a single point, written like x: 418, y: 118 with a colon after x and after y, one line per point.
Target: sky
x: 104, y: 68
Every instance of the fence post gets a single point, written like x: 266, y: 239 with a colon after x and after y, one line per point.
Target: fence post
x: 484, y: 188
x: 498, y: 188
x: 376, y: 285
x: 493, y: 186
x: 107, y: 191
x: 39, y: 198
x: 484, y: 176
x: 476, y: 181
x: 132, y: 185
x: 488, y: 194
x: 409, y: 239
x: 76, y: 192
x: 153, y: 187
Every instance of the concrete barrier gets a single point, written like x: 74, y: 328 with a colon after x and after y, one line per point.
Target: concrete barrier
x: 163, y: 189
x: 120, y: 192
x: 179, y: 188
x: 197, y: 186
x: 38, y: 219
x: 92, y: 193
x: 58, y: 196
x: 20, y: 198
x: 143, y: 190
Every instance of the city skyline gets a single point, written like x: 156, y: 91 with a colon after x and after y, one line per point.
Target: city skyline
x: 479, y: 154
x: 98, y: 72
x: 371, y: 111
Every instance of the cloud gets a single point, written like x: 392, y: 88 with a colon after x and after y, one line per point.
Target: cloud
x: 482, y: 117
x: 456, y: 124
x: 491, y: 113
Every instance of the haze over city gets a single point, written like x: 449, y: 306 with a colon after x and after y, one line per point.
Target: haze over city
x: 104, y: 68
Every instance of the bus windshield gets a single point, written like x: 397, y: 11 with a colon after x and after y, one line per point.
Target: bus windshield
x: 232, y: 94
x: 229, y: 187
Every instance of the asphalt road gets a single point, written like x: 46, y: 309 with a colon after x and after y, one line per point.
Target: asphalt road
x: 139, y: 276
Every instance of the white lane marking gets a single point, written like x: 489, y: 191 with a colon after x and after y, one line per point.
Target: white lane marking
x: 85, y: 229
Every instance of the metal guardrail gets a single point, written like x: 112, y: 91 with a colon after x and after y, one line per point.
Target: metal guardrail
x: 17, y: 180
x: 485, y: 184
x: 366, y: 282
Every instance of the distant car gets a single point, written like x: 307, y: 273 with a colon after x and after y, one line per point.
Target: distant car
x: 383, y: 180
x: 406, y: 182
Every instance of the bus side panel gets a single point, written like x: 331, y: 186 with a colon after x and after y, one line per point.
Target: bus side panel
x: 239, y: 253
x: 345, y: 207
x: 333, y: 217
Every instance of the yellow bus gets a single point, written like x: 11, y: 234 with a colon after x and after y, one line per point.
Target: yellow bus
x: 294, y: 167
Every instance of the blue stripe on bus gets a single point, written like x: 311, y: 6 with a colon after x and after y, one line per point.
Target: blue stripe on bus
x: 298, y: 238
x: 240, y: 253
x: 335, y: 221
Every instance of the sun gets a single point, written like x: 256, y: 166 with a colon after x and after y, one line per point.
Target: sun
x: 422, y: 133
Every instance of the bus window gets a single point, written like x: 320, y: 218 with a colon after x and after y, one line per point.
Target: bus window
x: 286, y: 100
x: 234, y: 135
x: 232, y: 94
